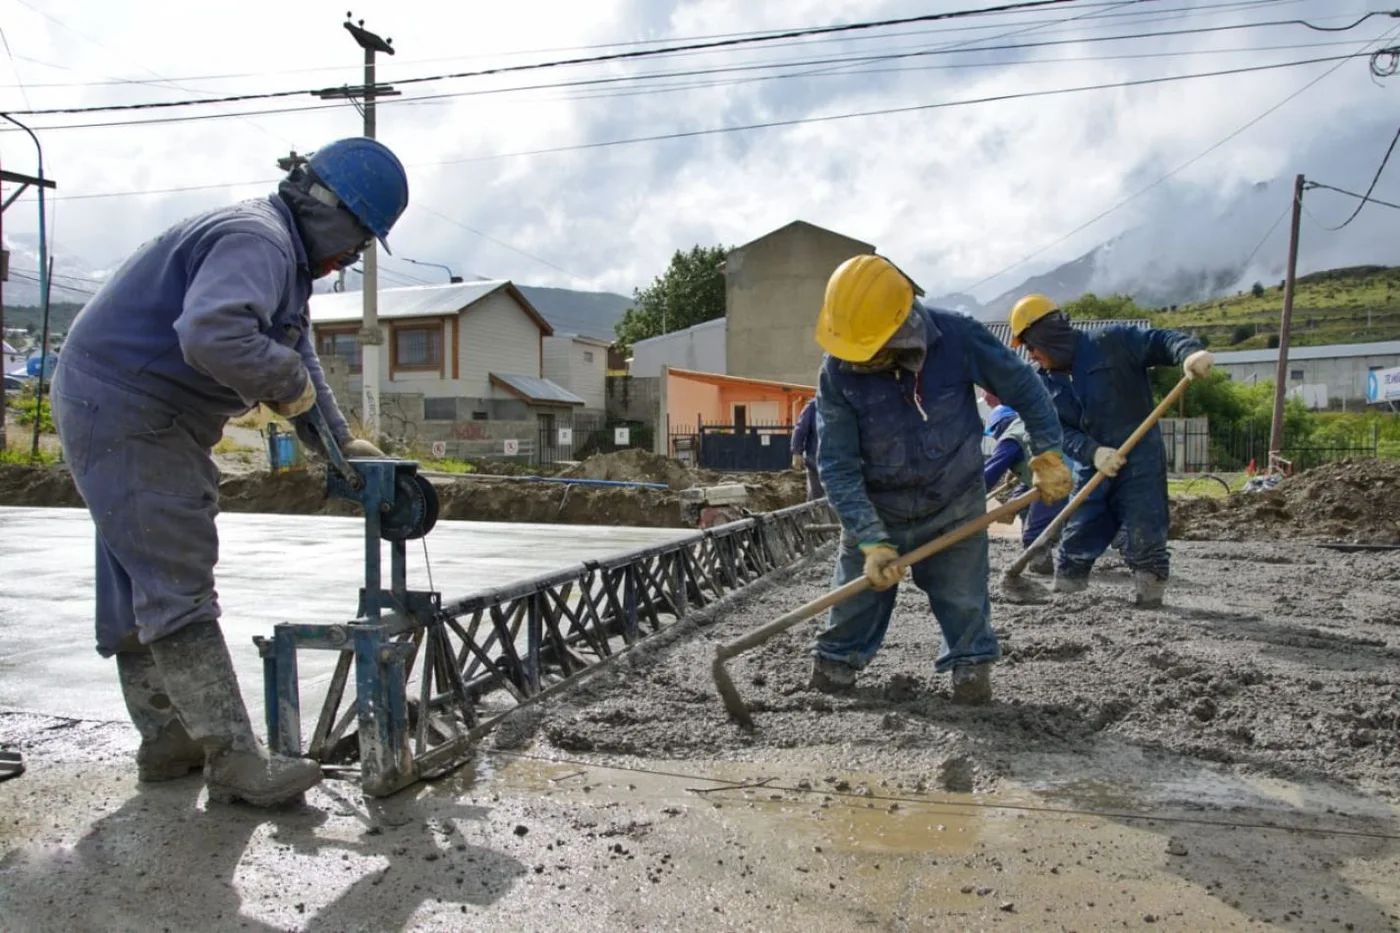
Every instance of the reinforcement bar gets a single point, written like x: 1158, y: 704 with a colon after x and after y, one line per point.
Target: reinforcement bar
x: 431, y: 676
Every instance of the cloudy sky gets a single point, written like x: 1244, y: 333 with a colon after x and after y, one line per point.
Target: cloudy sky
x: 972, y: 197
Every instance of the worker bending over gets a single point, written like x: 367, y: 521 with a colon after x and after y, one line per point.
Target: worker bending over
x: 202, y: 323
x: 1012, y: 454
x: 1103, y: 392
x: 900, y: 456
x: 804, y: 449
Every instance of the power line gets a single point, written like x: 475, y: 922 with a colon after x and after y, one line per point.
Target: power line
x: 498, y: 242
x: 270, y: 95
x: 1265, y: 238
x: 1364, y: 198
x: 1367, y: 196
x: 1176, y: 171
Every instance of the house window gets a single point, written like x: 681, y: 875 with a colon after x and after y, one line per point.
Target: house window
x: 439, y: 409
x: 341, y: 344
x: 418, y: 346
x: 1296, y: 375
x: 480, y: 416
x: 588, y: 356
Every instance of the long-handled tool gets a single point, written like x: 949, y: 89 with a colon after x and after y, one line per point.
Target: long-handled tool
x: 723, y: 653
x: 1014, y: 586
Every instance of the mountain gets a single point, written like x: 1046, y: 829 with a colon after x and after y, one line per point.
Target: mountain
x: 74, y: 279
x: 589, y: 314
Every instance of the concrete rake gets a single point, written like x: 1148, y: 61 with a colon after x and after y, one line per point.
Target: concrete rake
x: 734, y: 703
x: 1016, y: 588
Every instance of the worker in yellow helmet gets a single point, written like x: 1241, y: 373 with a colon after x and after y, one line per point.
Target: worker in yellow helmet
x: 900, y: 457
x: 1103, y: 391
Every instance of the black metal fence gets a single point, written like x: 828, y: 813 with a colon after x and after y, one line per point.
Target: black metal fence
x: 583, y: 436
x: 1232, y: 448
x: 741, y: 448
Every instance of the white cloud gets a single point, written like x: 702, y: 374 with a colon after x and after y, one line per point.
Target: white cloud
x: 953, y: 194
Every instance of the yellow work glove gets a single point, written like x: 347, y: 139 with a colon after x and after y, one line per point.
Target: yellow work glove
x: 879, y: 565
x: 1108, y: 461
x: 1198, y: 364
x: 299, y: 405
x: 1050, y: 475
x: 362, y: 449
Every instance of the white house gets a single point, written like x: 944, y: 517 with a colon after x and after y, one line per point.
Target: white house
x: 579, y: 364
x: 474, y: 350
x: 700, y: 348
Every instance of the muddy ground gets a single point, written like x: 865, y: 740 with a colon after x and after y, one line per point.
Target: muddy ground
x: 302, y: 492
x: 1281, y: 662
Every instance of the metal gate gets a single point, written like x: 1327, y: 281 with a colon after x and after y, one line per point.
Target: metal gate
x: 746, y: 448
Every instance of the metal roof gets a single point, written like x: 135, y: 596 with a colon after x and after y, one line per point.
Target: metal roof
x: 1329, y: 351
x: 411, y: 301
x: 536, y: 389
x: 1002, y: 330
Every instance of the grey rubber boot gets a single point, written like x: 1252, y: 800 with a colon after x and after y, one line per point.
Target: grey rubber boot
x: 167, y: 752
x: 972, y: 684
x: 1043, y: 564
x: 1070, y: 584
x: 1148, y: 589
x: 831, y: 676
x: 198, y: 674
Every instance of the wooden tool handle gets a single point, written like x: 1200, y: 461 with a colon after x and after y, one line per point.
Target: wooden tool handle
x: 862, y: 583
x: 1054, y: 527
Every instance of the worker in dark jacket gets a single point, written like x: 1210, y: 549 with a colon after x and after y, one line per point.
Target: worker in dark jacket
x: 1013, y: 454
x: 900, y: 455
x: 804, y: 449
x: 202, y: 323
x: 1103, y: 392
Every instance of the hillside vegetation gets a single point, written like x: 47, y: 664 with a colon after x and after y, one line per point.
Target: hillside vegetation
x: 1360, y: 304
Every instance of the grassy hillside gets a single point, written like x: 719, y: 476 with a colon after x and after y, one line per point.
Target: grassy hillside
x: 61, y: 314
x: 1328, y: 307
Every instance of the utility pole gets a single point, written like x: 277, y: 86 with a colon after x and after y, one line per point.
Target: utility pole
x: 452, y: 278
x: 1281, y: 371
x: 371, y: 337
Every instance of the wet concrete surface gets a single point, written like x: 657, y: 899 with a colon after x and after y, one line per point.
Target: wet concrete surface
x: 1092, y: 794
x: 272, y: 569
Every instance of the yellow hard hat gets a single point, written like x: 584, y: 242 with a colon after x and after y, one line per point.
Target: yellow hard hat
x: 1028, y: 310
x: 867, y: 299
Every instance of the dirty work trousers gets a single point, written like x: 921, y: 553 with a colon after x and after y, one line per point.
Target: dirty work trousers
x: 954, y: 580
x: 145, y: 471
x: 1036, y: 518
x: 814, y: 483
x: 1136, y: 501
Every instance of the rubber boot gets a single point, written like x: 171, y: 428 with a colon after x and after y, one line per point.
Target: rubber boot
x: 167, y: 752
x: 972, y: 684
x: 1148, y: 589
x: 1043, y: 564
x: 198, y: 673
x: 830, y: 676
x: 1065, y: 584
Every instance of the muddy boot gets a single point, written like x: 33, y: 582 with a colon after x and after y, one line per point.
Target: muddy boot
x: 167, y: 752
x: 1148, y: 589
x: 972, y: 684
x: 1065, y: 584
x: 1043, y: 564
x: 831, y: 676
x: 199, y: 677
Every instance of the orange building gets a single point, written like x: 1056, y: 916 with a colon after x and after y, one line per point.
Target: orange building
x: 695, y: 403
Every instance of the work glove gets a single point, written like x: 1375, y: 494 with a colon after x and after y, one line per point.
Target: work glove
x: 358, y: 448
x: 879, y: 565
x: 299, y: 405
x: 797, y: 462
x: 1050, y: 475
x: 1108, y: 461
x: 1198, y: 364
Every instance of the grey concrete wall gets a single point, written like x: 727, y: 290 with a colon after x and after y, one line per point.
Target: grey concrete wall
x: 634, y: 398
x: 1345, y: 377
x: 773, y: 293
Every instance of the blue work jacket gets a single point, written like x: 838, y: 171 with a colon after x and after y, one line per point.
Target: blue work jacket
x: 1107, y: 393
x: 804, y: 433
x: 897, y: 446
x: 211, y: 316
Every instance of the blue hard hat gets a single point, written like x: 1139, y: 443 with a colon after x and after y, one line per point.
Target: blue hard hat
x: 368, y: 178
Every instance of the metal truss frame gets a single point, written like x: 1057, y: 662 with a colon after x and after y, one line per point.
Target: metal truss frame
x: 431, y: 677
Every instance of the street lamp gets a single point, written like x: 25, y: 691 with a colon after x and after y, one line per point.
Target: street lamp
x: 453, y: 279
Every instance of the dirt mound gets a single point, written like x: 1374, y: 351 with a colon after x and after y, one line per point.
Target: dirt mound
x: 1351, y: 501
x: 49, y: 487
x: 634, y: 466
x: 556, y: 503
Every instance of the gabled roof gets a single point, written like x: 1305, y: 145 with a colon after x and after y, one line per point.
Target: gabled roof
x: 535, y: 389
x: 804, y: 225
x: 1002, y: 330
x: 723, y: 379
x: 419, y: 301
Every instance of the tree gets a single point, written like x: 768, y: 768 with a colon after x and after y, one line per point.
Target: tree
x: 1090, y: 307
x: 689, y: 292
x: 1258, y: 290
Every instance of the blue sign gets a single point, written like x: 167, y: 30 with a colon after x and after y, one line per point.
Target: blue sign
x: 1383, y: 385
x: 33, y: 364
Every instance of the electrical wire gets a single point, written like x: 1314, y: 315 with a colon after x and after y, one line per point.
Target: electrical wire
x: 1178, y: 170
x: 499, y: 242
x: 271, y: 95
x: 1265, y: 238
x: 1364, y: 198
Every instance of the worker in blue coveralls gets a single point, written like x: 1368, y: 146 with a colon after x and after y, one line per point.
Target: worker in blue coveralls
x: 900, y: 456
x: 1103, y: 392
x: 804, y: 449
x: 1012, y: 454
x: 200, y: 324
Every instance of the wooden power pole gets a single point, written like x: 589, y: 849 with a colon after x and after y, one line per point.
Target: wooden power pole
x: 1281, y: 371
